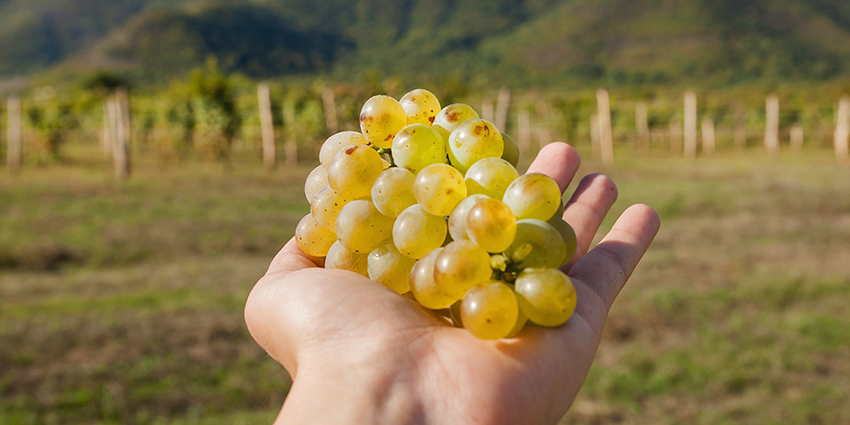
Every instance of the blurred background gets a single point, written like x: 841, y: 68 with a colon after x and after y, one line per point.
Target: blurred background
x: 141, y: 197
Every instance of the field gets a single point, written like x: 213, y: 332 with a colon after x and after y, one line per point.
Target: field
x: 123, y: 303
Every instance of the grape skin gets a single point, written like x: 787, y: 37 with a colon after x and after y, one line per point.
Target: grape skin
x: 418, y: 146
x: 420, y: 106
x: 361, y: 227
x: 423, y: 286
x: 490, y: 310
x: 547, y: 296
x: 336, y: 142
x: 380, y: 119
x: 533, y: 195
x: 547, y: 245
x: 457, y: 220
x: 490, y: 176
x: 439, y: 188
x: 511, y: 151
x: 353, y: 171
x: 472, y: 141
x: 326, y: 206
x: 316, y: 181
x: 312, y: 238
x: 339, y: 257
x: 387, y: 266
x: 416, y: 232
x: 491, y: 225
x: 460, y: 266
x: 393, y: 191
x: 567, y: 234
x: 452, y: 116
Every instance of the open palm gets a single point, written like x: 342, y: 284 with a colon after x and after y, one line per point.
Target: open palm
x: 359, y: 353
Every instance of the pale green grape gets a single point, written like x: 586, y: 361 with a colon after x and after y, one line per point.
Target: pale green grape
x: 316, y: 181
x: 460, y: 266
x: 424, y: 287
x: 336, y: 142
x: 457, y: 220
x: 339, y: 257
x: 533, y: 195
x: 380, y: 119
x: 490, y: 176
x: 416, y: 232
x: 489, y: 310
x: 452, y: 116
x: 390, y: 268
x: 418, y: 146
x: 393, y: 191
x: 568, y: 234
x: 420, y: 106
x: 326, y: 206
x: 491, y: 225
x: 521, y: 320
x: 354, y: 170
x: 361, y: 227
x: 546, y: 296
x: 474, y: 140
x: 511, y: 151
x: 536, y: 244
x: 439, y: 188
x: 312, y: 238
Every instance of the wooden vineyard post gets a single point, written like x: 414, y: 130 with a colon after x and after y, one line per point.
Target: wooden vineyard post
x: 13, y: 131
x: 120, y: 134
x: 771, y: 130
x: 329, y: 104
x: 502, y: 105
x: 487, y: 111
x: 675, y: 136
x: 797, y: 136
x: 606, y: 142
x: 642, y: 125
x: 595, y: 146
x: 266, y: 125
x: 842, y: 130
x: 690, y: 146
x: 708, y: 136
x: 523, y: 122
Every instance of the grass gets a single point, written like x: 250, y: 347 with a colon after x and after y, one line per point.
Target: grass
x: 123, y: 303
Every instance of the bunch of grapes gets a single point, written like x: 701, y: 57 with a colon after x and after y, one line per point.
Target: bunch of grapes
x: 428, y: 201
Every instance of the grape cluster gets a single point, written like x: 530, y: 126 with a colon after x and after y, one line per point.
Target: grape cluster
x: 428, y: 201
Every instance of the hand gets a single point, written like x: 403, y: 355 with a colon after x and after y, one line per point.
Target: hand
x: 359, y: 353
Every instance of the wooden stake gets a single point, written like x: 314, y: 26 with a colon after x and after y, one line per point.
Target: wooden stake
x: 708, y: 141
x: 266, y: 125
x: 842, y: 130
x: 595, y: 145
x: 606, y: 141
x: 487, y: 111
x: 771, y: 130
x: 502, y: 106
x: 642, y: 124
x: 797, y: 136
x: 523, y: 123
x: 329, y: 103
x: 119, y: 136
x: 13, y: 131
x: 690, y: 147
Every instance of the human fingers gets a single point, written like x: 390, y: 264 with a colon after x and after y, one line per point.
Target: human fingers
x: 291, y: 258
x: 586, y: 209
x: 559, y: 161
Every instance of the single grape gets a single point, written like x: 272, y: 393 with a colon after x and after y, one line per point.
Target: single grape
x: 361, y: 227
x: 354, y: 170
x: 490, y: 176
x: 312, y: 238
x: 452, y: 116
x: 439, y: 188
x: 316, y: 181
x: 457, y: 220
x: 472, y: 141
x: 380, y: 119
x: 547, y: 296
x: 390, y: 268
x: 418, y: 146
x: 339, y: 257
x: 489, y: 310
x: 420, y: 106
x: 568, y: 234
x: 533, y: 195
x: 424, y: 287
x: 491, y: 225
x: 416, y: 232
x: 511, y: 151
x: 460, y: 266
x: 326, y: 206
x: 536, y: 244
x: 336, y: 142
x: 521, y: 320
x: 393, y: 191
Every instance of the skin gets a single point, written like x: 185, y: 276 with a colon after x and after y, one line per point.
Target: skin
x: 359, y: 353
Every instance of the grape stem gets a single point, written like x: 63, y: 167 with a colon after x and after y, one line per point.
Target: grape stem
x: 388, y: 151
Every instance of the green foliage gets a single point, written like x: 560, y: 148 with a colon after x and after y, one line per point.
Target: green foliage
x: 51, y: 117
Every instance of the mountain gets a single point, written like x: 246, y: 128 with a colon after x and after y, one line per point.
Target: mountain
x: 514, y: 41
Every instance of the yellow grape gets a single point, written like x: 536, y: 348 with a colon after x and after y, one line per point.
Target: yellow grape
x: 452, y: 116
x: 361, y: 227
x: 533, y: 195
x: 336, y: 142
x: 316, y: 181
x: 457, y: 220
x: 416, y: 232
x: 490, y: 176
x: 511, y: 152
x: 380, y: 119
x: 390, y: 268
x: 472, y: 141
x: 547, y: 296
x: 393, y: 191
x: 326, y: 206
x: 420, y: 106
x: 491, y: 225
x: 312, y: 238
x: 489, y: 310
x: 424, y: 287
x: 353, y: 171
x: 521, y: 320
x: 568, y: 234
x: 460, y: 266
x: 536, y: 244
x: 339, y: 257
x: 418, y: 146
x: 439, y: 188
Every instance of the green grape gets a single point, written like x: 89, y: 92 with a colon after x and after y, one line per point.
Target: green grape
x: 420, y: 106
x: 457, y: 220
x: 316, y: 181
x: 521, y: 320
x: 489, y: 310
x: 380, y: 119
x: 418, y: 146
x: 474, y: 140
x: 452, y: 116
x: 546, y: 296
x: 361, y: 227
x: 536, y: 244
x: 568, y: 234
x: 490, y: 176
x: 390, y: 268
x: 460, y: 266
x: 491, y: 225
x: 312, y: 238
x: 423, y: 286
x: 354, y: 170
x: 439, y: 188
x: 533, y: 195
x: 393, y: 191
x: 326, y: 206
x: 336, y: 142
x: 511, y: 151
x: 339, y: 257
x: 416, y: 233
